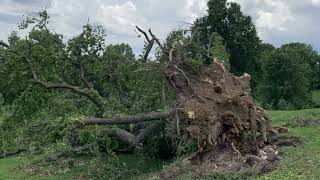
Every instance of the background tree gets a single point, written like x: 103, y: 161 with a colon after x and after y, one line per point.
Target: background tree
x: 237, y: 30
x: 288, y: 76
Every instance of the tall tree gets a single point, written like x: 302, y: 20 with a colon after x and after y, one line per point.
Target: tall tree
x: 238, y: 31
x: 288, y: 76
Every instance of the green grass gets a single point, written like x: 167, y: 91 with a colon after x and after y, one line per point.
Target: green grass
x: 299, y: 162
x: 282, y: 117
x: 10, y: 168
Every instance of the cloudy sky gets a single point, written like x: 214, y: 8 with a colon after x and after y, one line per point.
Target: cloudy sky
x: 277, y: 21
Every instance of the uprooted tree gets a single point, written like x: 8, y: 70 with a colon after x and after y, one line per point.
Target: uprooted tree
x: 213, y: 108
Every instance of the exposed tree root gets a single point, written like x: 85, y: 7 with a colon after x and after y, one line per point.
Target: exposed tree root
x: 216, y: 107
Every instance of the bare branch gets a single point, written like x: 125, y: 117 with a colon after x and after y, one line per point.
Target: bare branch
x: 149, y: 46
x: 12, y: 153
x: 122, y: 135
x: 144, y: 33
x: 131, y: 139
x: 145, y: 133
x: 148, y: 50
x: 170, y: 54
x: 126, y: 120
x: 4, y: 44
x: 84, y: 92
x: 157, y: 40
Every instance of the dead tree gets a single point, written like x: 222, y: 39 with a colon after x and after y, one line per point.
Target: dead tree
x: 215, y: 106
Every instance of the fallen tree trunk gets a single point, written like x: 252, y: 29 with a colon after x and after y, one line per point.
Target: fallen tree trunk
x: 130, y: 139
x: 121, y: 134
x: 12, y: 153
x: 126, y: 120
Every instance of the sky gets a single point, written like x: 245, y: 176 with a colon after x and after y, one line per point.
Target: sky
x: 277, y: 21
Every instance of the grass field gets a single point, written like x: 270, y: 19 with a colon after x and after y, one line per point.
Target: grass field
x: 10, y: 168
x: 298, y: 163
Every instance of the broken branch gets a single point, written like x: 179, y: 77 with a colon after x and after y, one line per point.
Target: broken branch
x: 126, y: 120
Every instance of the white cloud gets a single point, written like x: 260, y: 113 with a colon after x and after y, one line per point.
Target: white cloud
x: 315, y: 2
x: 120, y: 17
x: 282, y: 21
x: 277, y: 21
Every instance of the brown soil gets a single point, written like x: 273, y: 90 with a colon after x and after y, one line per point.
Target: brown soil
x: 216, y: 109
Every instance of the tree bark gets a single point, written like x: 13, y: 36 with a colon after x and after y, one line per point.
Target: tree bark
x: 12, y: 153
x: 126, y: 120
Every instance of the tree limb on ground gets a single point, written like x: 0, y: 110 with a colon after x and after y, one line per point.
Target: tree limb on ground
x: 12, y: 153
x: 131, y: 139
x: 126, y: 120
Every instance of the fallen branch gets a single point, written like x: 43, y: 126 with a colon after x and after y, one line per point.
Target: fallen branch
x: 121, y: 135
x: 131, y: 139
x: 126, y: 120
x: 12, y: 153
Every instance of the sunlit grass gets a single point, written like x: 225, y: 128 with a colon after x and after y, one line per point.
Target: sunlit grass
x: 299, y: 162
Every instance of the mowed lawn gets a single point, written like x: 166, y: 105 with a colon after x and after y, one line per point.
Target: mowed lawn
x: 298, y: 163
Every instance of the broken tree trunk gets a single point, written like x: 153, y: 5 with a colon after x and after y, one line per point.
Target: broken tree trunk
x: 216, y: 107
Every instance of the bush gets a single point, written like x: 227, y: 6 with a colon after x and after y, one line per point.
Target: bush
x: 284, y: 105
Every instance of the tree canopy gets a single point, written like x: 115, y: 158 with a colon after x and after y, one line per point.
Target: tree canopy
x: 57, y: 93
x: 237, y: 30
x: 288, y: 76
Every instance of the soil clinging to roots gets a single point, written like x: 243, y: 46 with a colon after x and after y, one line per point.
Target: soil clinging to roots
x: 220, y: 116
